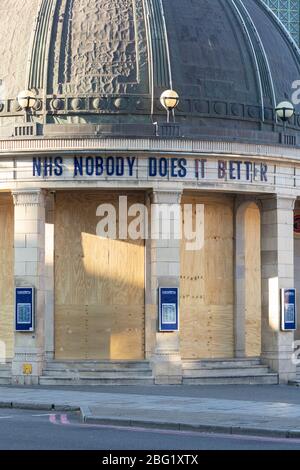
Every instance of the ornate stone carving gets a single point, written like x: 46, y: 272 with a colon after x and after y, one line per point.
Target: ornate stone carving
x: 57, y: 104
x: 100, y: 46
x: 28, y: 197
x: 166, y: 196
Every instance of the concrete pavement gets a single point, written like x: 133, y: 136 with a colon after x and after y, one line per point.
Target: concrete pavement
x: 242, y: 410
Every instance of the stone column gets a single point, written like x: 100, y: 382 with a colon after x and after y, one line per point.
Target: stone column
x: 277, y: 245
x: 165, y: 271
x: 29, y: 269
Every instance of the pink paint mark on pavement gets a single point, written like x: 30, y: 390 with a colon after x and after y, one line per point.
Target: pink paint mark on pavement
x: 52, y: 419
x: 64, y: 419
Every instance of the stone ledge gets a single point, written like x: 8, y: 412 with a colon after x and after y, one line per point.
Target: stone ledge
x: 170, y: 146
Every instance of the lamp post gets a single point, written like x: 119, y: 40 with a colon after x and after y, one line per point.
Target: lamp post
x: 27, y: 100
x: 169, y: 100
x: 285, y: 111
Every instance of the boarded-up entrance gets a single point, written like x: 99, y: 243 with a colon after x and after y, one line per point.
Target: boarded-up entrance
x: 6, y: 274
x: 206, y: 304
x: 297, y: 261
x: 99, y: 283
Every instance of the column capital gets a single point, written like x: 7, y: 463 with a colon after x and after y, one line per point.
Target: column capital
x: 166, y: 196
x: 28, y: 197
x: 278, y: 201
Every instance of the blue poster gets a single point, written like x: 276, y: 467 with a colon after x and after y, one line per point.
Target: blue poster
x: 168, y: 309
x: 288, y: 310
x: 24, y: 309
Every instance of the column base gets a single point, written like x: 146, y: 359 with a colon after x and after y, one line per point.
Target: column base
x: 27, y: 367
x: 282, y: 364
x: 49, y: 356
x: 240, y: 354
x: 166, y: 361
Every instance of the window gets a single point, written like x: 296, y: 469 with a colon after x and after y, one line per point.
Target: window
x: 288, y: 11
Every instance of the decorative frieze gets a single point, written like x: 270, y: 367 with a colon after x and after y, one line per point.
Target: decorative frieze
x: 132, y: 168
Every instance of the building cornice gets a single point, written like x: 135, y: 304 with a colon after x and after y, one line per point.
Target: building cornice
x: 61, y: 146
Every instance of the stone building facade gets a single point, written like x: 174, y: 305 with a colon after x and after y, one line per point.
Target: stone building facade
x: 98, y: 137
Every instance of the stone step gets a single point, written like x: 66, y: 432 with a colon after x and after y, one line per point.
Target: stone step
x: 6, y: 366
x: 226, y: 372
x: 97, y: 365
x: 296, y: 382
x: 5, y: 380
x: 94, y: 381
x: 97, y: 373
x: 5, y: 373
x: 263, y: 379
x: 222, y: 363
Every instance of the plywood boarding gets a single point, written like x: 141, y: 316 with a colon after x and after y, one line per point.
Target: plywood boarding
x: 206, y: 286
x: 252, y: 281
x: 297, y: 269
x: 6, y: 273
x: 99, y: 283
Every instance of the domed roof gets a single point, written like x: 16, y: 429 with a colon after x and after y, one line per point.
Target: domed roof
x: 107, y: 61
